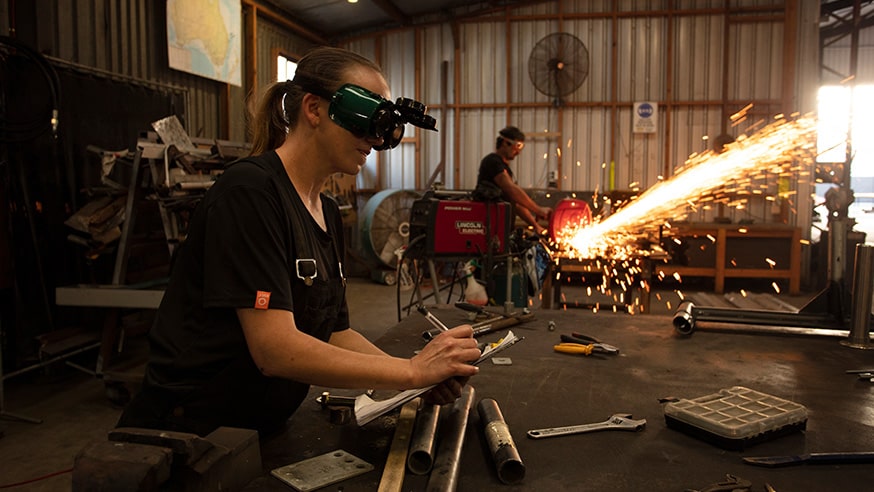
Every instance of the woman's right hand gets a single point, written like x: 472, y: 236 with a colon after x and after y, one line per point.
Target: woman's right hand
x: 447, y: 355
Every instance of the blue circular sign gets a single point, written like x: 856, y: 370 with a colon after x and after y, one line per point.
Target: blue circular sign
x: 645, y: 110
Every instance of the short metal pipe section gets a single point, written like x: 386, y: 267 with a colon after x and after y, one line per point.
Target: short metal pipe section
x: 444, y: 476
x: 421, y: 454
x: 863, y: 289
x: 684, y: 318
x: 508, y: 464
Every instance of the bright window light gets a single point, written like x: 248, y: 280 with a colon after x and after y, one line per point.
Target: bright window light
x: 285, y: 68
x: 842, y: 109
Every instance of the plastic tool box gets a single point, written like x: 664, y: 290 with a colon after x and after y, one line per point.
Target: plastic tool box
x: 736, y: 417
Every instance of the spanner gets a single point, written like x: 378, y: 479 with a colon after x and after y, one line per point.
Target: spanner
x: 618, y: 421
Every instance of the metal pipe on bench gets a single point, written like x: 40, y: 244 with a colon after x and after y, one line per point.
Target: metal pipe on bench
x: 863, y: 287
x: 506, y: 457
x: 421, y: 455
x: 444, y: 475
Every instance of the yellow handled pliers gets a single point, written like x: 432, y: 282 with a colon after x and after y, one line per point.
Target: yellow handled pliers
x: 597, y: 345
x: 577, y: 348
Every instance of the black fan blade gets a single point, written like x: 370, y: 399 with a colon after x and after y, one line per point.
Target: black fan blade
x: 558, y: 64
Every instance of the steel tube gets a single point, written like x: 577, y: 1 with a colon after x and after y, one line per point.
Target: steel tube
x: 508, y: 464
x: 444, y: 475
x: 684, y: 318
x: 487, y: 326
x: 863, y: 285
x: 421, y: 455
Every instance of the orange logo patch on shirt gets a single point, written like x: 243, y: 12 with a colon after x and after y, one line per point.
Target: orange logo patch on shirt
x: 262, y: 300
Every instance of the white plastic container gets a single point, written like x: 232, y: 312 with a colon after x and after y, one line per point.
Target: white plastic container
x: 736, y: 417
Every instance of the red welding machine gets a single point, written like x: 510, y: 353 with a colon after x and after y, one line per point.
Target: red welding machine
x: 458, y: 228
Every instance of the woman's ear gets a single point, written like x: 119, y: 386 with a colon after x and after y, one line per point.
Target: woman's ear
x: 311, y: 108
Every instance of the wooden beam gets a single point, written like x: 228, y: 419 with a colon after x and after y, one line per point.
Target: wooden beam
x: 285, y: 21
x: 456, y: 130
x: 790, y: 53
x: 393, y: 11
x: 251, y: 68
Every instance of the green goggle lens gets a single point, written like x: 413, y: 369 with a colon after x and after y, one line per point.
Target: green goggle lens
x: 367, y: 114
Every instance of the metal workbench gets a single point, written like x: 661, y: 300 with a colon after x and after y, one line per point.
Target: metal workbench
x: 542, y: 388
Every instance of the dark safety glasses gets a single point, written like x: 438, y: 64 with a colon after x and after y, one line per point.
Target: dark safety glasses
x: 369, y: 115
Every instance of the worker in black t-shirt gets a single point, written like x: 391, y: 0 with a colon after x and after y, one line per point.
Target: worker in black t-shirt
x: 495, y: 175
x: 255, y: 311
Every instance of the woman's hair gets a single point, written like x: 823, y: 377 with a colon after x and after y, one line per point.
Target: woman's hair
x: 277, y: 109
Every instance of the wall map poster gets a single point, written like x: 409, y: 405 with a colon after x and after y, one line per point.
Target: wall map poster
x: 203, y: 38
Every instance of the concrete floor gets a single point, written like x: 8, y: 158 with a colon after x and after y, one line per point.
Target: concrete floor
x: 75, y: 410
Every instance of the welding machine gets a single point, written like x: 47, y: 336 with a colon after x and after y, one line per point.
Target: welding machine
x: 443, y: 228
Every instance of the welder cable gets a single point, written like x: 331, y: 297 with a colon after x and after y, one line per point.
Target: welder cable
x: 23, y: 132
x: 27, y: 130
x: 37, y: 479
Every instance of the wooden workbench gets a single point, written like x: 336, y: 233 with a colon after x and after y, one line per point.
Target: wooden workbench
x: 720, y: 248
x: 546, y: 389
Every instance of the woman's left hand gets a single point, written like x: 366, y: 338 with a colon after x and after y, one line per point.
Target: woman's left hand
x: 446, y: 392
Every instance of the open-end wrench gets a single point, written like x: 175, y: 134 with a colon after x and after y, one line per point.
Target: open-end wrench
x: 618, y: 421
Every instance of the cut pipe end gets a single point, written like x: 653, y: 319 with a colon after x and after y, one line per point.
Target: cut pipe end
x: 684, y: 318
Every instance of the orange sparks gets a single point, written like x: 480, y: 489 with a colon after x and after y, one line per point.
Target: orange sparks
x: 773, y: 147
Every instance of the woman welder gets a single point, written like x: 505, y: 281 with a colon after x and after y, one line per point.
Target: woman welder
x: 255, y: 311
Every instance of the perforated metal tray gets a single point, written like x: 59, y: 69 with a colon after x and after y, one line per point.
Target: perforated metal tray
x: 736, y: 417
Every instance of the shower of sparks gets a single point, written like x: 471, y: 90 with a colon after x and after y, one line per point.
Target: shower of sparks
x: 615, y: 244
x: 775, y: 149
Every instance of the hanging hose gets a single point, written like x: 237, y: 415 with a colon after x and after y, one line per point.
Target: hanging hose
x: 25, y: 131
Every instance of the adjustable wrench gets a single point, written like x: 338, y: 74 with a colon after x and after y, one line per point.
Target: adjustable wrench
x: 618, y: 421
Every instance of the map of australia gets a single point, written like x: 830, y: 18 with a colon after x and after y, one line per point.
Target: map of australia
x: 203, y: 38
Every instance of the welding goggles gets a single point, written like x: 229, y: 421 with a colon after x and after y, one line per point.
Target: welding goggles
x: 513, y: 143
x: 369, y: 115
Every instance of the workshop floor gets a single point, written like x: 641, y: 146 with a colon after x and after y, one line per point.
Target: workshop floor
x: 74, y: 408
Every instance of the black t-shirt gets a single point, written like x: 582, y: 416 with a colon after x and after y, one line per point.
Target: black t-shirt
x: 489, y: 168
x: 250, y: 235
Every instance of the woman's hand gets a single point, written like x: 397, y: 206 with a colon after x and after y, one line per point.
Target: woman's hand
x: 446, y: 392
x: 448, y: 355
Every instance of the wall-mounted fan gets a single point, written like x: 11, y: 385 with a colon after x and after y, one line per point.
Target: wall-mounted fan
x: 558, y: 65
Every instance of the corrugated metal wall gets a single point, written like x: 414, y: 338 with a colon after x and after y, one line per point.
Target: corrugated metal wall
x: 128, y: 37
x: 125, y: 37
x: 272, y: 40
x: 836, y: 56
x: 701, y: 61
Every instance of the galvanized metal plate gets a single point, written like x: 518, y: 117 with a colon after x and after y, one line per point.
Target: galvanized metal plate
x: 321, y: 471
